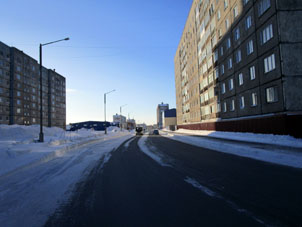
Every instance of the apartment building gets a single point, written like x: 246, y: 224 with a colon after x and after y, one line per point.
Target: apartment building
x: 161, y: 108
x: 20, y: 91
x: 244, y: 59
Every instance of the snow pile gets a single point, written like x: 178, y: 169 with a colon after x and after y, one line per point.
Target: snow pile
x: 18, y: 146
x: 283, y: 140
x: 263, y: 151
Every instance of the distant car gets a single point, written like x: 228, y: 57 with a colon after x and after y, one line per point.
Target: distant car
x: 155, y: 132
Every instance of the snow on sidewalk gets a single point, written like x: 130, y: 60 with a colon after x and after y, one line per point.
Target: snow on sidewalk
x: 18, y: 147
x: 281, y: 156
x: 283, y: 140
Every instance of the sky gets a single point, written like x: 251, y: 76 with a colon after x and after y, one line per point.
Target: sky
x: 126, y: 45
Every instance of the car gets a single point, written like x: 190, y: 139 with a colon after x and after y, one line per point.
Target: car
x: 155, y: 132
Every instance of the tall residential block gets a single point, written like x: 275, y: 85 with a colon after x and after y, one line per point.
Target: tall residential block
x: 20, y: 91
x: 161, y: 108
x: 238, y: 67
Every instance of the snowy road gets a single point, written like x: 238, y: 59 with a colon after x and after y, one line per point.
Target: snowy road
x: 29, y: 196
x: 156, y: 181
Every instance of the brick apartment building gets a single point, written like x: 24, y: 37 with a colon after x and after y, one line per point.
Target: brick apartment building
x: 238, y: 67
x: 20, y: 91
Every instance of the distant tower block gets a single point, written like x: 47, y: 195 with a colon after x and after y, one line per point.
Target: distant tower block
x: 160, y: 110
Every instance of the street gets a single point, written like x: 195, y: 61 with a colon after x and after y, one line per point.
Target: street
x: 156, y: 181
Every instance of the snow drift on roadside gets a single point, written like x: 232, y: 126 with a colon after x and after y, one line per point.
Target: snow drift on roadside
x: 18, y: 147
x: 283, y: 140
x: 276, y: 156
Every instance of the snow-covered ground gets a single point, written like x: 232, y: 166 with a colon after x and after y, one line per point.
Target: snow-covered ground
x: 283, y: 140
x: 268, y: 153
x: 36, y: 177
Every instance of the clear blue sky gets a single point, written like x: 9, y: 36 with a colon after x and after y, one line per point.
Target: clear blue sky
x: 127, y: 45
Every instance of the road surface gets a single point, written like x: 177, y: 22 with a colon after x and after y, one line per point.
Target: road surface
x: 169, y: 183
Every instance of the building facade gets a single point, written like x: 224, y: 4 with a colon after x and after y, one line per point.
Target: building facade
x: 120, y: 120
x: 238, y: 66
x: 170, y: 121
x: 159, y: 113
x: 20, y: 91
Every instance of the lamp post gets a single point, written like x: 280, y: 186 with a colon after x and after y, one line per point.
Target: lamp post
x: 105, y: 108
x: 121, y: 115
x: 41, y: 135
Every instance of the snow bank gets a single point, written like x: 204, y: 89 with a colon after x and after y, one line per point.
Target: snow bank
x: 265, y: 153
x: 283, y: 140
x: 18, y: 147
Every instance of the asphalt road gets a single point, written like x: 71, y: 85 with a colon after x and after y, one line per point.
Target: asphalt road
x: 195, y: 187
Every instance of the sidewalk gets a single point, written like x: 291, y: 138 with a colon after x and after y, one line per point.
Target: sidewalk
x: 264, y: 140
x: 282, y: 150
x: 18, y: 151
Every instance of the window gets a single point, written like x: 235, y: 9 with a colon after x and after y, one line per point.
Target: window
x: 269, y: 63
x: 18, y: 110
x: 18, y: 93
x: 227, y: 24
x: 271, y: 95
x: 238, y: 56
x: 226, y: 4
x: 250, y: 47
x: 263, y: 6
x: 222, y: 88
x: 241, y: 102
x: 248, y: 22
x: 231, y: 84
x: 221, y: 50
x: 230, y: 63
x: 18, y: 76
x: 215, y: 55
x: 254, y: 99
x: 237, y: 34
x: 224, y: 107
x: 240, y: 79
x: 252, y: 73
x: 18, y: 68
x: 218, y: 15
x: 222, y: 69
x: 34, y: 120
x: 218, y: 107
x: 232, y: 106
x: 219, y: 33
x: 235, y: 11
x: 245, y: 2
x: 266, y: 34
x: 228, y: 43
x: 206, y: 96
x: 201, y: 98
x: 18, y: 102
x: 216, y: 73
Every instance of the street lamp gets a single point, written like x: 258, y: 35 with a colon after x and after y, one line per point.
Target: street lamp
x: 41, y: 135
x: 105, y: 108
x: 121, y: 115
